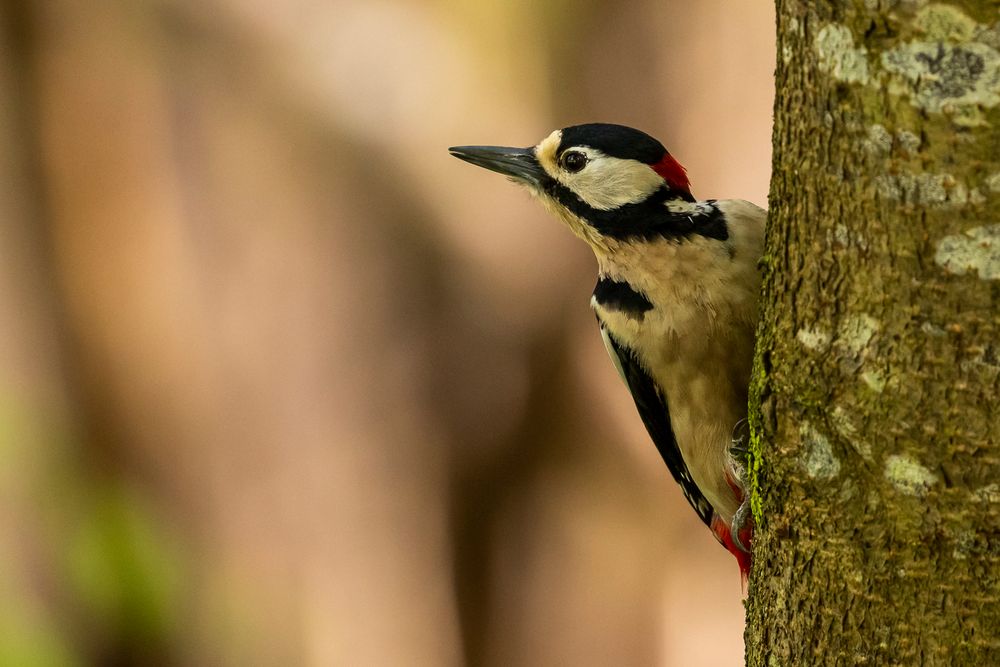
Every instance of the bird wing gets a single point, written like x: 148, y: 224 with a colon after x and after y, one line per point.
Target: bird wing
x: 652, y: 406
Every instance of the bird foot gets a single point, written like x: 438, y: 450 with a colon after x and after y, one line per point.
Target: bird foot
x: 739, y: 451
x: 739, y: 442
x: 741, y: 521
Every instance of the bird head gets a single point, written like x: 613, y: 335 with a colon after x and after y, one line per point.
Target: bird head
x: 609, y: 183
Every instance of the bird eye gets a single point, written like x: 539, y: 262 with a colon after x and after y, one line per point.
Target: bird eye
x: 573, y: 161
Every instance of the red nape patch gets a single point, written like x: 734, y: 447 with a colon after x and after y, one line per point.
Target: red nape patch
x: 725, y: 536
x: 673, y: 173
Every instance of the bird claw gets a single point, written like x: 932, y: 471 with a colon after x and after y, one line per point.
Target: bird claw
x: 739, y: 440
x: 739, y: 450
x: 739, y: 522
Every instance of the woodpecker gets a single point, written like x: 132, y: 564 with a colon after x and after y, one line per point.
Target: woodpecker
x: 676, y: 297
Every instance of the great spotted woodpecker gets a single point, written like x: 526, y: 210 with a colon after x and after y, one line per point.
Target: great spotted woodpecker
x: 676, y: 297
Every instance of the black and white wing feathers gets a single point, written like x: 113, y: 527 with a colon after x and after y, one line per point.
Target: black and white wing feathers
x: 652, y: 406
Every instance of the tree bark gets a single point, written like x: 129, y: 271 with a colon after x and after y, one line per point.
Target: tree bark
x: 875, y: 468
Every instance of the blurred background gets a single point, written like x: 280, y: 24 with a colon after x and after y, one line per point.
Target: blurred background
x: 283, y: 383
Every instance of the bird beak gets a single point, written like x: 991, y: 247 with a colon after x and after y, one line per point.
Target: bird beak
x: 518, y: 163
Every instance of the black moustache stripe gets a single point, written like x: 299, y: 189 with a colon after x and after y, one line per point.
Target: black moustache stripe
x: 647, y: 219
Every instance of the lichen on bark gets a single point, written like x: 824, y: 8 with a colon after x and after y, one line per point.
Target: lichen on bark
x: 875, y: 444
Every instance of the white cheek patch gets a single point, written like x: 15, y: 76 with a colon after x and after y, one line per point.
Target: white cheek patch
x: 606, y: 182
x: 609, y: 182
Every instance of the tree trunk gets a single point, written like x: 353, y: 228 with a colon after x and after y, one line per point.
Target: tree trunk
x: 875, y: 466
